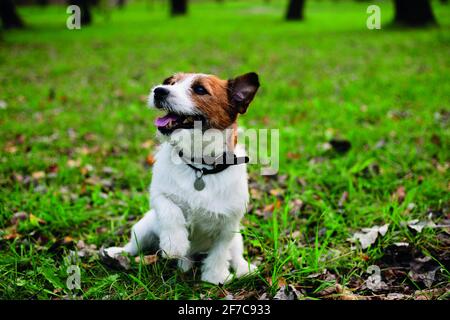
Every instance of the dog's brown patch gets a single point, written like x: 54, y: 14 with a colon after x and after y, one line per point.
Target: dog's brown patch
x: 214, y: 105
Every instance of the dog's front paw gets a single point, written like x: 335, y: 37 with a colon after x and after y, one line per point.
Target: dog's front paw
x: 216, y: 276
x: 174, y: 245
x: 244, y: 269
x: 113, y: 252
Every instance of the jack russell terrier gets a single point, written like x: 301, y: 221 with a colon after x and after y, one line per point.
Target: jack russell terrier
x: 197, y: 202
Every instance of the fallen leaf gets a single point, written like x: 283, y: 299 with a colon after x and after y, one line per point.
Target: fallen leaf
x: 38, y: 175
x: 147, y: 260
x: 85, y: 250
x: 268, y: 209
x: 426, y: 277
x: 420, y: 225
x: 288, y: 292
x: 368, y: 236
x: 10, y: 233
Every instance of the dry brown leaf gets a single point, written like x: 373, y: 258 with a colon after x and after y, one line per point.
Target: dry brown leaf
x: 147, y: 260
x: 38, y: 175
x: 11, y: 233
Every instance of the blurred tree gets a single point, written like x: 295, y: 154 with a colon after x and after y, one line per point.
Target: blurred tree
x: 414, y: 13
x: 8, y: 15
x: 178, y: 7
x: 295, y: 10
x: 85, y: 9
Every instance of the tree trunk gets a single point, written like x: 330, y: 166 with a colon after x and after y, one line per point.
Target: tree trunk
x: 413, y: 13
x: 8, y: 15
x: 178, y: 7
x: 85, y: 9
x: 295, y: 10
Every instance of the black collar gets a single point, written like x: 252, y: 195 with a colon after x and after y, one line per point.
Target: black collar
x: 218, y: 164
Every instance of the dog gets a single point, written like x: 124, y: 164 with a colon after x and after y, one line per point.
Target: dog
x: 197, y: 206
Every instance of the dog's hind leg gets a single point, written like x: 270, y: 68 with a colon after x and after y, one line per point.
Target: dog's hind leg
x: 238, y: 263
x: 143, y: 236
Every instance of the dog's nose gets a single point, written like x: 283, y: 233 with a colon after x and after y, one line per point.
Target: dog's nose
x: 160, y: 93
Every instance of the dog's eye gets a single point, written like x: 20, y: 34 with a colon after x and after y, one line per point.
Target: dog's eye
x: 199, y: 89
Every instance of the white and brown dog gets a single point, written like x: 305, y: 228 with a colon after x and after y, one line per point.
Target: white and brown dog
x: 197, y: 206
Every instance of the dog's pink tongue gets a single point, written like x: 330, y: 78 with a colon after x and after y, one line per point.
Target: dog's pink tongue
x: 163, y: 121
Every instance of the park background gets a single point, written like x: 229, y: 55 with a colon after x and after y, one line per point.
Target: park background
x: 363, y: 118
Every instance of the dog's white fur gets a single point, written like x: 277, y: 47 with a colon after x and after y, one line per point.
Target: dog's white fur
x: 187, y: 221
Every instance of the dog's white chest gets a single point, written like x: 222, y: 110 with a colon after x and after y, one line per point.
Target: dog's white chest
x: 225, y: 193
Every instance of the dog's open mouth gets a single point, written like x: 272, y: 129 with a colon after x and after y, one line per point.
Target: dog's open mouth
x: 172, y: 121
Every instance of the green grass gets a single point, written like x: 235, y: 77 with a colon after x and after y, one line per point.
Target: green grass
x: 327, y: 77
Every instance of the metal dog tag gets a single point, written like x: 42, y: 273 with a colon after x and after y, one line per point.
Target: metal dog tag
x: 199, y: 184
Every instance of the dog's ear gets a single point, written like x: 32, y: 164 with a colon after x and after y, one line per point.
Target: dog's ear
x: 241, y: 91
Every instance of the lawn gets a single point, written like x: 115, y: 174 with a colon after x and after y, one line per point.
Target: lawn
x: 76, y: 141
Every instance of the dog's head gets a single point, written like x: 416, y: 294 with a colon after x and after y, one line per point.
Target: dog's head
x: 189, y: 97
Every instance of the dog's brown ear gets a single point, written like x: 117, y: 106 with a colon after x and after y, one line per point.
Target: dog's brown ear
x: 241, y: 90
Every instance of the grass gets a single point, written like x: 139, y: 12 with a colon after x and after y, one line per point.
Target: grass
x: 75, y: 112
